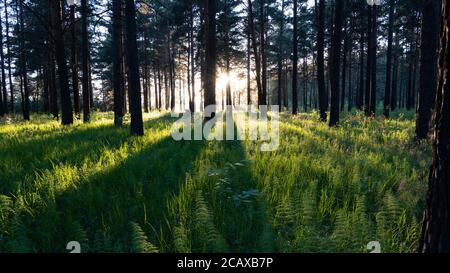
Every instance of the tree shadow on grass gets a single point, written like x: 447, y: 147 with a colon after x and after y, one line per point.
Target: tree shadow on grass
x: 19, y: 161
x: 136, y: 190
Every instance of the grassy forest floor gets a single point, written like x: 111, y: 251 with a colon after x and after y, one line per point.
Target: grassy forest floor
x: 324, y: 190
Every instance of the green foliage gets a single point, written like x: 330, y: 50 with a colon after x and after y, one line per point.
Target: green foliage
x: 324, y: 190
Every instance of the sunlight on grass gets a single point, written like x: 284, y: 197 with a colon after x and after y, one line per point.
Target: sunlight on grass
x: 324, y: 190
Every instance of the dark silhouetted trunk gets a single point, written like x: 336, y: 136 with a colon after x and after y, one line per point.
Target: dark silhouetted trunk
x: 295, y: 61
x: 335, y: 61
x: 117, y: 62
x: 263, y: 98
x: 435, y: 235
x: 210, y: 55
x: 251, y: 26
x: 60, y: 54
x: 75, y: 86
x: 323, y: 96
x: 428, y: 72
x: 85, y: 62
x: 23, y: 68
x: 388, y: 86
x: 134, y: 88
x: 280, y: 55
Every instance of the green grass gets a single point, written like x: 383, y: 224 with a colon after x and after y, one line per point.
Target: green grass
x: 324, y: 190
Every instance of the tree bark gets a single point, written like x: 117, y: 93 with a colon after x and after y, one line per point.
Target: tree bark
x: 428, y: 72
x: 435, y: 236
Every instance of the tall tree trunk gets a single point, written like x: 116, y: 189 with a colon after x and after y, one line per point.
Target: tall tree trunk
x: 210, y: 55
x: 323, y: 96
x: 23, y: 66
x: 295, y: 61
x: 117, y: 62
x: 8, y: 52
x: 4, y: 93
x: 394, y: 92
x: 134, y: 91
x: 263, y: 98
x: 336, y: 45
x: 373, y: 88
x: 428, y: 72
x: 74, y: 60
x: 280, y: 55
x: 360, y: 96
x: 85, y: 61
x: 255, y: 50
x: 344, y: 65
x: 388, y: 86
x: 435, y: 236
x: 60, y: 52
x: 249, y: 90
x: 192, y: 53
x: 369, y: 62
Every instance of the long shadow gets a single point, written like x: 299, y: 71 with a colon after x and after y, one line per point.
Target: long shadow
x: 136, y: 190
x: 20, y: 161
x: 238, y: 208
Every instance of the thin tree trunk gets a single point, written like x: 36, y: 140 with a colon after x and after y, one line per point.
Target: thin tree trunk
x: 74, y: 60
x: 388, y: 86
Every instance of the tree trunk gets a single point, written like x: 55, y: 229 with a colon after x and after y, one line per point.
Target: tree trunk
x: 60, y: 52
x: 23, y: 67
x: 4, y: 91
x: 280, y: 55
x: 134, y: 88
x: 373, y: 88
x: 8, y: 51
x: 360, y: 96
x: 336, y: 56
x: 323, y: 96
x: 428, y: 72
x: 210, y: 56
x: 388, y: 86
x: 295, y: 61
x: 263, y: 98
x: 117, y: 62
x: 74, y: 60
x: 85, y: 62
x: 344, y: 65
x: 435, y: 236
x: 255, y: 50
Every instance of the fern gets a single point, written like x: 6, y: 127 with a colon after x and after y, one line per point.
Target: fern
x: 139, y: 241
x: 206, y: 233
x: 180, y: 239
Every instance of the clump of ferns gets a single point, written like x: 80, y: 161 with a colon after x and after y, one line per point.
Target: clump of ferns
x: 13, y: 234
